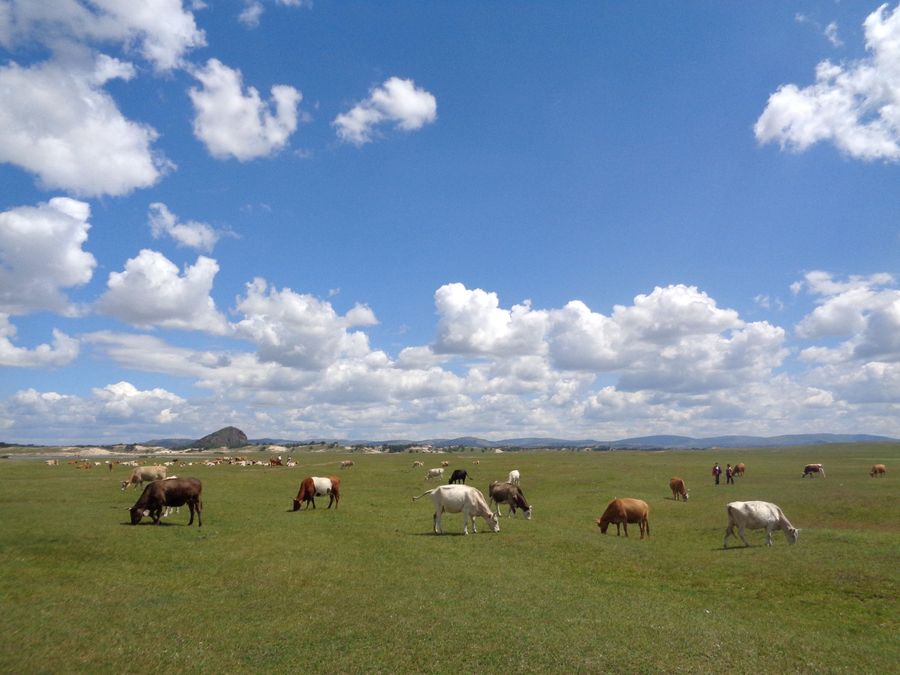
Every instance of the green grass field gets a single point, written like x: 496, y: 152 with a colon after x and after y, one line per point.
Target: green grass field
x: 368, y: 588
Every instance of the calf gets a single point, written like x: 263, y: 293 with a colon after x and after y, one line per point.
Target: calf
x: 459, y: 476
x: 434, y: 473
x: 456, y: 498
x: 160, y: 494
x: 346, y: 464
x: 318, y: 486
x: 739, y: 469
x: 622, y: 511
x: 679, y: 491
x: 141, y: 474
x: 513, y: 477
x: 758, y: 516
x: 812, y: 470
x: 877, y: 470
x: 507, y: 493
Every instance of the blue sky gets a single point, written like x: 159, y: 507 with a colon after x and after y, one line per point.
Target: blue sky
x: 411, y: 220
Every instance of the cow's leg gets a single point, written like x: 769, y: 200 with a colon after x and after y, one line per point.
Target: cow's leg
x: 625, y: 527
x: 769, y: 535
x: 191, y: 507
x: 438, y: 529
x: 729, y: 532
x: 741, y: 535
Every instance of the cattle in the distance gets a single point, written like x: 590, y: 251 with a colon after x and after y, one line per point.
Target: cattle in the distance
x: 445, y: 463
x: 513, y: 477
x: 417, y: 463
x: 507, y: 493
x: 622, y: 511
x: 318, y: 486
x: 757, y: 515
x: 877, y: 470
x: 812, y: 470
x: 142, y: 474
x: 347, y: 463
x: 161, y: 494
x: 434, y: 473
x: 739, y: 469
x: 679, y: 491
x: 459, y: 476
x: 460, y: 498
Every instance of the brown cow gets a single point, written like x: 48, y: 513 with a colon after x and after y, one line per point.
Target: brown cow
x: 739, y: 469
x: 507, y: 493
x: 676, y: 485
x: 877, y: 470
x: 171, y: 492
x: 812, y: 470
x: 623, y: 511
x: 318, y: 486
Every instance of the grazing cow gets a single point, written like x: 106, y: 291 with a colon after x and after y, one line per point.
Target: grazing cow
x: 679, y: 491
x: 418, y: 463
x: 622, y: 511
x: 140, y: 474
x: 52, y: 462
x: 812, y: 470
x: 739, y: 469
x: 275, y: 461
x: 758, y: 516
x: 459, y: 476
x: 476, y: 461
x: 434, y: 473
x: 513, y: 477
x: 507, y: 493
x: 445, y: 463
x: 317, y: 486
x: 456, y: 498
x: 346, y: 464
x: 160, y: 494
x: 877, y: 470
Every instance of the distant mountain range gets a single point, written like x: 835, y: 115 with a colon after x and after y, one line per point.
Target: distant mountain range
x: 231, y: 437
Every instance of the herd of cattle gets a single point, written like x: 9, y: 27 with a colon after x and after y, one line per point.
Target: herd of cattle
x: 164, y: 492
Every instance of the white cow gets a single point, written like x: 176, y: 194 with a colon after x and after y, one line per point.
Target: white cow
x: 513, y: 477
x: 434, y: 473
x: 758, y: 516
x: 465, y: 498
x: 144, y: 473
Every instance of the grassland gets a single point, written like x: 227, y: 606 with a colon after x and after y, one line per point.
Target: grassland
x: 368, y: 588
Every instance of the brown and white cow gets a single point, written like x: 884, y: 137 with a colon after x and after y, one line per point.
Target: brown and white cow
x: 624, y: 510
x: 141, y: 474
x: 812, y: 470
x: 679, y: 491
x: 346, y: 464
x: 739, y: 469
x: 445, y: 463
x: 877, y: 470
x: 460, y: 498
x: 507, y: 493
x: 318, y: 486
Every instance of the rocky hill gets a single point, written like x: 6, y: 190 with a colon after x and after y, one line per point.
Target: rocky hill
x: 229, y: 437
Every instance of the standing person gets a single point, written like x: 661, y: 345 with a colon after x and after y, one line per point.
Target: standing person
x: 716, y: 472
x: 729, y: 475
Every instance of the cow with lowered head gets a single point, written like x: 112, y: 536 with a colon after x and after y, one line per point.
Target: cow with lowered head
x: 173, y: 492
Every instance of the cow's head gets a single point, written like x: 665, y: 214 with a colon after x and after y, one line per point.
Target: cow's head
x: 296, y: 505
x: 602, y: 524
x: 686, y: 495
x: 792, y: 534
x: 124, y: 484
x: 528, y: 513
x: 494, y: 522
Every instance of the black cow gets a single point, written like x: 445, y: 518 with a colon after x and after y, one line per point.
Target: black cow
x: 173, y: 492
x: 459, y: 476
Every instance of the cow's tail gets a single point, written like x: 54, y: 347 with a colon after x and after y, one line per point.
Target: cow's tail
x: 424, y: 493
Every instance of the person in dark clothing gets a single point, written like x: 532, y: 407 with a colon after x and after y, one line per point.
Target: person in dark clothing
x: 729, y: 475
x: 716, y: 472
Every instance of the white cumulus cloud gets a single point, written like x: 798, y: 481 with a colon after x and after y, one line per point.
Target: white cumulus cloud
x: 191, y: 234
x: 396, y: 101
x: 232, y: 123
x: 300, y: 330
x: 61, y: 125
x: 63, y: 351
x: 150, y: 292
x: 856, y: 105
x: 41, y: 254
